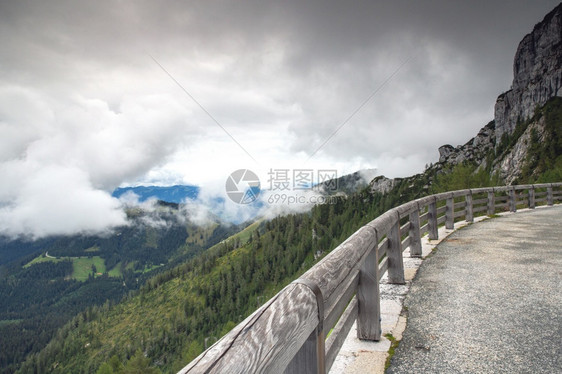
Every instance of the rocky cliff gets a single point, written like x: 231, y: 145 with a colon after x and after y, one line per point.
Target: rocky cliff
x: 537, y: 74
x: 503, y: 146
x: 537, y: 77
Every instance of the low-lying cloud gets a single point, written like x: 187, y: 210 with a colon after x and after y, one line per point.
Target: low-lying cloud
x: 85, y: 109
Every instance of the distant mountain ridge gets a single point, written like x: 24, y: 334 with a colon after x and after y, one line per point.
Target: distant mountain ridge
x: 171, y: 194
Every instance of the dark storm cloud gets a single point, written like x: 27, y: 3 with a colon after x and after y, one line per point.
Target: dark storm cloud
x: 84, y: 108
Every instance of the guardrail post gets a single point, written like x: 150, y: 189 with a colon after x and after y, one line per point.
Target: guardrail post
x: 491, y: 202
x: 469, y: 216
x: 532, y: 197
x: 512, y: 202
x: 311, y: 357
x: 368, y: 298
x: 394, y: 253
x: 305, y: 361
x: 414, y: 234
x: 432, y: 221
x: 450, y: 214
x: 549, y: 197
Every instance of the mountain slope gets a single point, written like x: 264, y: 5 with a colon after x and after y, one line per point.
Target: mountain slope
x: 45, y: 283
x: 172, y: 317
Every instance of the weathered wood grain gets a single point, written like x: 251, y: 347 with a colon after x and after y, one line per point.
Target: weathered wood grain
x: 384, y: 222
x: 333, y: 273
x: 368, y: 300
x: 311, y: 358
x: 405, y: 209
x: 266, y: 341
x: 394, y: 255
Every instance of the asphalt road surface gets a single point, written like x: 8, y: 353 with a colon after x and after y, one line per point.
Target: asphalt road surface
x: 489, y: 300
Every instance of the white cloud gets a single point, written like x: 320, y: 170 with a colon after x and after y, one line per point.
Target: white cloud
x: 58, y: 200
x: 84, y: 108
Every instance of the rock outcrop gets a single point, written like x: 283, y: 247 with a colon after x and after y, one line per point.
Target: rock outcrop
x: 382, y: 184
x: 509, y: 166
x: 537, y: 77
x: 537, y: 74
x: 475, y: 149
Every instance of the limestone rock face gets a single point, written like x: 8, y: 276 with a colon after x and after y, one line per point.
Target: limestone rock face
x: 510, y: 165
x: 537, y: 74
x: 537, y: 77
x: 382, y: 184
x: 445, y: 151
x: 475, y: 149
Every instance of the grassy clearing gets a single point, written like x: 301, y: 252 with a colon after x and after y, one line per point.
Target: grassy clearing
x: 245, y: 234
x: 82, y: 267
x: 116, y: 271
x: 43, y: 258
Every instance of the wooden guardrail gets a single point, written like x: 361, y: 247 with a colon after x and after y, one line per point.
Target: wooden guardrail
x: 287, y: 334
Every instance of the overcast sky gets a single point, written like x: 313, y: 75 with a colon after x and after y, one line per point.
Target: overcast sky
x: 90, y: 95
